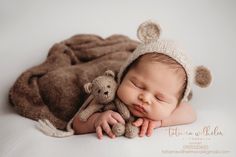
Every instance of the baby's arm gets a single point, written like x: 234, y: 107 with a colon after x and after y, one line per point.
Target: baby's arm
x: 183, y: 114
x: 83, y: 127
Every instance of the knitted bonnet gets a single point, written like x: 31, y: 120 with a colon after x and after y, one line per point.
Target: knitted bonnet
x: 148, y: 33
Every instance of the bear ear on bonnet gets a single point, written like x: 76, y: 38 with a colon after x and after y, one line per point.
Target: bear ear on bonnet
x: 149, y: 31
x: 203, y: 77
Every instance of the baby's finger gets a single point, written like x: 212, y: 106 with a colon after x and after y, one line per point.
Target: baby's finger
x: 138, y: 122
x: 151, y: 126
x: 118, y: 117
x: 144, y: 128
x: 112, y: 121
x: 99, y: 132
x: 107, y: 129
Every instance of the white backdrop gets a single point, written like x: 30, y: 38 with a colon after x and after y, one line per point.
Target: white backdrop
x: 28, y: 28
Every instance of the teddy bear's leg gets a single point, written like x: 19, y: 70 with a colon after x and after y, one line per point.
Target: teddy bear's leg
x: 131, y: 131
x: 118, y: 129
x: 86, y: 113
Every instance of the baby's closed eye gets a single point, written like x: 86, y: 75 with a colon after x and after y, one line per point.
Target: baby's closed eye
x: 159, y: 98
x: 138, y: 85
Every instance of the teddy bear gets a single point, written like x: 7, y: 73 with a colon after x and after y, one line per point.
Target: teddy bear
x: 103, y: 89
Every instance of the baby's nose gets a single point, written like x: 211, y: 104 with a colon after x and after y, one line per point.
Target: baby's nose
x: 106, y: 92
x: 145, y: 99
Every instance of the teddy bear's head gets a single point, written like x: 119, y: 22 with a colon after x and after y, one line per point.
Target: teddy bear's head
x: 103, y: 88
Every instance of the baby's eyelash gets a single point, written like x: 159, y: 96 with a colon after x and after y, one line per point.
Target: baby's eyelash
x: 159, y: 99
x: 133, y: 83
x: 136, y: 85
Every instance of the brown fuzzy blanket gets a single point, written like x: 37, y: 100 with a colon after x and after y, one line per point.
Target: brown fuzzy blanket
x: 54, y: 89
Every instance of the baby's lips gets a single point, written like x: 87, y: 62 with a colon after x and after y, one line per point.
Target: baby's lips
x: 139, y: 108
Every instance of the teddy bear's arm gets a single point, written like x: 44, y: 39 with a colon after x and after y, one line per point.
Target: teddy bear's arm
x: 122, y: 109
x: 86, y: 113
x: 110, y: 106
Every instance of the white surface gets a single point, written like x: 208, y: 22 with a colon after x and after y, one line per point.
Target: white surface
x: 207, y: 29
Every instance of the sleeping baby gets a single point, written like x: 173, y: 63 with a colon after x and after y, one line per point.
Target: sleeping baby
x: 154, y: 84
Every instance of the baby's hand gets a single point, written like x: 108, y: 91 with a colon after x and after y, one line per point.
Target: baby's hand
x: 105, y: 120
x: 147, y: 126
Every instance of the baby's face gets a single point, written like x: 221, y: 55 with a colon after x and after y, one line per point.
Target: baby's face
x: 150, y: 90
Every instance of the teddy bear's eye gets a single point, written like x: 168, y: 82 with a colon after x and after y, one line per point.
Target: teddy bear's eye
x: 108, y: 86
x: 99, y: 91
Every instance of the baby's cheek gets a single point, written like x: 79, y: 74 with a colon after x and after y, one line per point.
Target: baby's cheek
x: 165, y: 114
x: 159, y: 113
x: 119, y: 93
x: 123, y: 94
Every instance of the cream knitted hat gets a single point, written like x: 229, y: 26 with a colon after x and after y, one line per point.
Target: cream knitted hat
x: 149, y: 33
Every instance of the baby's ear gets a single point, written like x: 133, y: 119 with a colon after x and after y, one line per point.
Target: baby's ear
x: 110, y: 73
x: 203, y: 76
x: 148, y: 31
x: 88, y: 87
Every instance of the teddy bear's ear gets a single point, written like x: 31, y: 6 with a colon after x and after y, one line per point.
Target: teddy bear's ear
x: 88, y: 87
x: 109, y: 73
x: 148, y: 31
x: 203, y: 76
